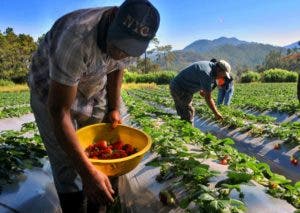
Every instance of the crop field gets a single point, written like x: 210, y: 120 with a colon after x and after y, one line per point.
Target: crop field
x: 14, y: 104
x: 153, y: 109
x: 256, y: 144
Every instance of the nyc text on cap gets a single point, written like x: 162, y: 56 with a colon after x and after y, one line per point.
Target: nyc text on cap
x: 135, y: 25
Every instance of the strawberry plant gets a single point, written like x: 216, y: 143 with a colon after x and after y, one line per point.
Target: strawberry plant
x: 19, y: 152
x: 165, y: 138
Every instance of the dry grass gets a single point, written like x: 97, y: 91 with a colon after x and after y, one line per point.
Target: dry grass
x: 139, y: 86
x: 24, y: 87
x: 14, y: 88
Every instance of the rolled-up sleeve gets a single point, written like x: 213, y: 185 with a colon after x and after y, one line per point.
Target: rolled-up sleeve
x: 119, y: 65
x: 206, y: 83
x: 67, y: 60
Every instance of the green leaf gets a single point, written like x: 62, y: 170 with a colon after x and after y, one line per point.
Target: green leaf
x: 232, y: 186
x: 155, y: 162
x: 228, y: 141
x: 238, y: 177
x: 297, y: 186
x: 239, y: 204
x: 184, y: 203
x: 206, y: 197
x: 279, y: 179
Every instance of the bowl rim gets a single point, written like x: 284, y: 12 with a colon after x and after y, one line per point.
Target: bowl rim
x: 119, y: 160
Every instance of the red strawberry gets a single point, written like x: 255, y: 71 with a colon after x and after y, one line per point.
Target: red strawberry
x: 128, y: 149
x: 277, y: 146
x: 118, y: 154
x: 118, y: 145
x: 223, y: 161
x: 92, y: 154
x: 101, y: 144
x: 294, y: 161
x: 105, y: 154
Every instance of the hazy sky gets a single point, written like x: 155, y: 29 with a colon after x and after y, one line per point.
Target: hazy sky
x: 275, y: 22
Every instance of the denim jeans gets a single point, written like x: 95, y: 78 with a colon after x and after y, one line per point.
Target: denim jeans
x: 225, y: 96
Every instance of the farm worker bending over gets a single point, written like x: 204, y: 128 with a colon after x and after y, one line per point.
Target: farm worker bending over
x: 75, y: 80
x: 198, y: 77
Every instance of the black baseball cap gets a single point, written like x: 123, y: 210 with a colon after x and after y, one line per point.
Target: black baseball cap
x: 134, y: 26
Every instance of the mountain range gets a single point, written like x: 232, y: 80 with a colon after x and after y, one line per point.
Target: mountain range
x: 237, y: 52
x: 293, y: 45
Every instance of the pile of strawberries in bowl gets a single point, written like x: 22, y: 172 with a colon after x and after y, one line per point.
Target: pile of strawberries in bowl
x: 102, y: 150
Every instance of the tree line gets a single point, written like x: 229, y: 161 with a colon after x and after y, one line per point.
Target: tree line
x: 16, y: 52
x: 15, y: 55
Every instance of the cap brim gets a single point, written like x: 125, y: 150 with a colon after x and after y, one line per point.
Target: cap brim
x: 131, y: 46
x: 123, y: 41
x: 228, y: 75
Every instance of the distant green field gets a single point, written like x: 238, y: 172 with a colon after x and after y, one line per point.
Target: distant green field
x: 14, y: 104
x: 267, y: 96
x: 259, y: 96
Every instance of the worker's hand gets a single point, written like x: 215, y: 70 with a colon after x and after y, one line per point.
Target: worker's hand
x: 218, y: 117
x: 114, y: 118
x: 97, y: 188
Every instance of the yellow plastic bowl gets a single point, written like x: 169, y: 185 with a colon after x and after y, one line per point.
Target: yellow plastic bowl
x: 115, y: 167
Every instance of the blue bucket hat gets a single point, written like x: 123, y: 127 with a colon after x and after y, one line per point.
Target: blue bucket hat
x: 134, y: 26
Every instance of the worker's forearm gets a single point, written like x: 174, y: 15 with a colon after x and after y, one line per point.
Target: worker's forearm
x: 65, y: 133
x: 211, y: 104
x: 114, y: 83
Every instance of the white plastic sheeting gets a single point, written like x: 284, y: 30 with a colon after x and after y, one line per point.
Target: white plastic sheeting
x: 260, y: 148
x: 139, y: 190
x: 33, y: 192
x: 280, y: 116
x: 15, y: 123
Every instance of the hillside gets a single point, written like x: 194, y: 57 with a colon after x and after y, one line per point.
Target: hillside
x: 295, y: 56
x: 205, y: 45
x: 293, y: 45
x: 237, y: 52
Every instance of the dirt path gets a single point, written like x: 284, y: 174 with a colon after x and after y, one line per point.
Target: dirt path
x: 15, y: 123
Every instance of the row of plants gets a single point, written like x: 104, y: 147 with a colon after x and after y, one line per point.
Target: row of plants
x: 14, y: 104
x: 257, y: 125
x: 267, y: 96
x: 14, y: 98
x: 161, y: 92
x: 161, y: 77
x: 258, y: 96
x: 277, y: 97
x: 17, y: 111
x: 261, y: 125
x: 176, y: 161
x: 171, y: 137
x: 19, y: 150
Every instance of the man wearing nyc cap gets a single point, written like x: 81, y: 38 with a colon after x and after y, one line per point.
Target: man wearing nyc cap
x: 75, y: 80
x: 197, y: 77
